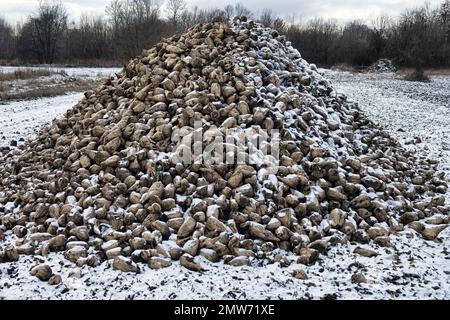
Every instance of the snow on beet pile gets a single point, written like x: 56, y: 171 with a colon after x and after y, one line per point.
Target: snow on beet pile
x: 103, y: 183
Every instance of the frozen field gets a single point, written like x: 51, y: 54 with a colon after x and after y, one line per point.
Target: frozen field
x: 19, y: 119
x: 417, y: 114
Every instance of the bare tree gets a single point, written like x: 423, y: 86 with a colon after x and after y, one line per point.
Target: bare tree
x: 90, y: 39
x: 191, y: 17
x: 445, y: 11
x: 355, y: 44
x: 229, y: 11
x: 317, y: 39
x: 46, y: 29
x: 279, y: 24
x: 113, y: 11
x: 414, y: 28
x: 6, y: 40
x: 445, y: 15
x: 240, y: 10
x: 175, y: 9
x: 267, y: 17
x: 380, y: 33
x: 136, y: 25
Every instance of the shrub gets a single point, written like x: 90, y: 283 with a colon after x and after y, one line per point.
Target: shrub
x: 418, y: 75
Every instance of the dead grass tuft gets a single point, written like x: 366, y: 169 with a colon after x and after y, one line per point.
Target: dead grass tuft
x: 438, y: 72
x: 418, y: 75
x: 346, y: 67
x: 50, y: 91
x: 28, y: 73
x: 4, y: 87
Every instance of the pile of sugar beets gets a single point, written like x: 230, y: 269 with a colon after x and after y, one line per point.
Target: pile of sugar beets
x: 101, y: 183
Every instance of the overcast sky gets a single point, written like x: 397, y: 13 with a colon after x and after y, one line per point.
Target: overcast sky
x: 341, y: 10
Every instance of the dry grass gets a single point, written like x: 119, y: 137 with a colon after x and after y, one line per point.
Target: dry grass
x: 11, y: 63
x: 75, y: 63
x: 346, y: 67
x: 94, y: 63
x: 402, y: 73
x: 28, y: 73
x: 418, y: 75
x: 50, y: 91
x: 4, y: 87
x: 438, y: 72
x: 37, y: 83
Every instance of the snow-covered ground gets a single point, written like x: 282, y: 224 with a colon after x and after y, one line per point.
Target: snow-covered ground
x: 410, y: 111
x: 412, y: 268
x: 20, y: 120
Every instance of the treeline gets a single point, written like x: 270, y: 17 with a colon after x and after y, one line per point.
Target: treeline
x: 420, y: 37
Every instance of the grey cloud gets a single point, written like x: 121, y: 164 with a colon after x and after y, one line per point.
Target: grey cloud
x: 341, y: 10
